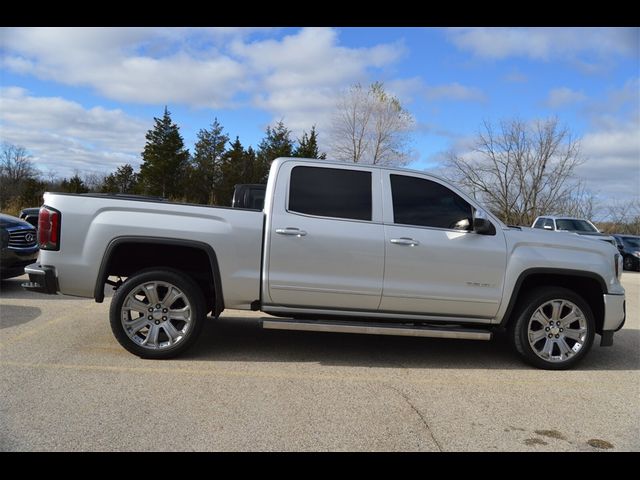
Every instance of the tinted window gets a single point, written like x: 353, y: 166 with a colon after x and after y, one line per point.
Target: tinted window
x: 575, y: 225
x: 330, y: 192
x: 417, y: 201
x: 538, y: 223
x: 548, y: 222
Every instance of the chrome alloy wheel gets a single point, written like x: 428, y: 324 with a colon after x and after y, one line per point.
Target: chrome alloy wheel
x: 156, y: 315
x: 557, y: 330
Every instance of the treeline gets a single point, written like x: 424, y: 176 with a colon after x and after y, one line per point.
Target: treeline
x: 208, y: 175
x: 168, y: 168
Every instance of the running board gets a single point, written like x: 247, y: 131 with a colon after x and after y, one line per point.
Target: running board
x: 377, y: 329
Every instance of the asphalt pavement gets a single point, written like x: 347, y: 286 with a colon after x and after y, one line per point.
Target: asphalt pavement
x: 67, y: 385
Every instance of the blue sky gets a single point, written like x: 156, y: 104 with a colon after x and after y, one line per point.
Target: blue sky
x: 83, y: 98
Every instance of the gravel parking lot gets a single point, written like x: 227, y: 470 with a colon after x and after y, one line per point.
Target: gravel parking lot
x: 67, y: 385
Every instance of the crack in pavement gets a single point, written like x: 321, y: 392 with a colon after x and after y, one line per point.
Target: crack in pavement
x: 420, y: 415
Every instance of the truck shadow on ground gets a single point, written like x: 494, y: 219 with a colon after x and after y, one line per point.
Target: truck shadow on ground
x: 11, y: 289
x: 12, y: 315
x: 242, y: 340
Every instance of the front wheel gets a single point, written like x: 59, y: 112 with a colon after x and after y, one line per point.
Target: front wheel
x: 554, y: 328
x: 157, y: 313
x: 630, y: 264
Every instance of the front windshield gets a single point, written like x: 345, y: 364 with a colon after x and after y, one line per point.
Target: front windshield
x: 631, y: 243
x: 575, y: 225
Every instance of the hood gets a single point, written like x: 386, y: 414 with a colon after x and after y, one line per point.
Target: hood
x: 9, y: 221
x: 587, y: 234
x: 563, y: 239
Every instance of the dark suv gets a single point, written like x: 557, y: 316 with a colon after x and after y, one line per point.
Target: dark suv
x: 30, y: 215
x: 19, y: 246
x: 629, y: 246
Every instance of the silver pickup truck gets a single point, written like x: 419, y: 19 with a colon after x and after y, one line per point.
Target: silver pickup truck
x: 337, y: 248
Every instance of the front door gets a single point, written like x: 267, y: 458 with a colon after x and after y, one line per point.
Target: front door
x: 435, y: 264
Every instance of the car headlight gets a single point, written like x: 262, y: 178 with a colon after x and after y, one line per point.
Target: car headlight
x: 636, y: 254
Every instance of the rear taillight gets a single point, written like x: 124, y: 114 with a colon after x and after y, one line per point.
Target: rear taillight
x: 49, y: 228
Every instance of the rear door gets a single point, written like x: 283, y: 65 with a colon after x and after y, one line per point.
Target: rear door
x: 326, y: 238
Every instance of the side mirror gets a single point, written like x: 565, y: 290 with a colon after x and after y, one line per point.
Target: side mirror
x: 481, y: 225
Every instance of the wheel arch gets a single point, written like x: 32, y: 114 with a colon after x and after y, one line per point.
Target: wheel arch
x: 181, y: 254
x: 589, y: 285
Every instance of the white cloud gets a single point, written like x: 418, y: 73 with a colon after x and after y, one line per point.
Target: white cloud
x: 545, y: 43
x: 199, y: 67
x: 516, y: 77
x: 454, y: 91
x: 408, y: 88
x: 612, y: 166
x: 62, y: 135
x: 140, y: 65
x: 563, y: 96
x: 297, y: 77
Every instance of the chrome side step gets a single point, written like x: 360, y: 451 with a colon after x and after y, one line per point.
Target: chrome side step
x: 377, y: 329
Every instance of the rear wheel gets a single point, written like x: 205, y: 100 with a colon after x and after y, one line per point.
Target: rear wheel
x: 157, y: 313
x: 554, y: 328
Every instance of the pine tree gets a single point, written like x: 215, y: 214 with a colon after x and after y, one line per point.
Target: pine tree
x: 207, y: 161
x: 277, y: 143
x: 250, y: 172
x: 165, y: 159
x: 308, y: 146
x: 233, y: 169
x: 74, y: 185
x: 123, y: 180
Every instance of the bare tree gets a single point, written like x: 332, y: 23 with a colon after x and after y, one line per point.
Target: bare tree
x: 581, y: 203
x: 521, y: 171
x: 16, y: 168
x: 16, y: 163
x: 624, y: 217
x: 370, y: 126
x: 92, y: 180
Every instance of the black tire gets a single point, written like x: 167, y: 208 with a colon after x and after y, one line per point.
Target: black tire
x: 630, y: 263
x: 518, y: 331
x: 192, y: 294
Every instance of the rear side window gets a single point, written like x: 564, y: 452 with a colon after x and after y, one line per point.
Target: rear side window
x: 331, y: 192
x: 417, y: 201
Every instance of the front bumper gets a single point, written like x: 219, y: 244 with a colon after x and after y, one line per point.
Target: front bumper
x: 42, y: 278
x: 13, y: 261
x: 614, y: 317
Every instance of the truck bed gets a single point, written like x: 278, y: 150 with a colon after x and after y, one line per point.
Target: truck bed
x: 91, y: 222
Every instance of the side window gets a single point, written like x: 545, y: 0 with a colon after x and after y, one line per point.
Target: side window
x: 331, y: 192
x: 548, y: 222
x: 421, y: 202
x: 539, y: 223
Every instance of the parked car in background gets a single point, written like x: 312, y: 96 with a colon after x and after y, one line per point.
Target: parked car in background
x: 30, y: 215
x: 629, y: 246
x: 19, y: 246
x: 570, y: 224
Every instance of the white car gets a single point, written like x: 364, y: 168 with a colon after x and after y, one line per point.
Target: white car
x: 571, y: 224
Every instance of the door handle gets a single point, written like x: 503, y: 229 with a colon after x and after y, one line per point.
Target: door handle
x: 296, y: 232
x: 410, y: 242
